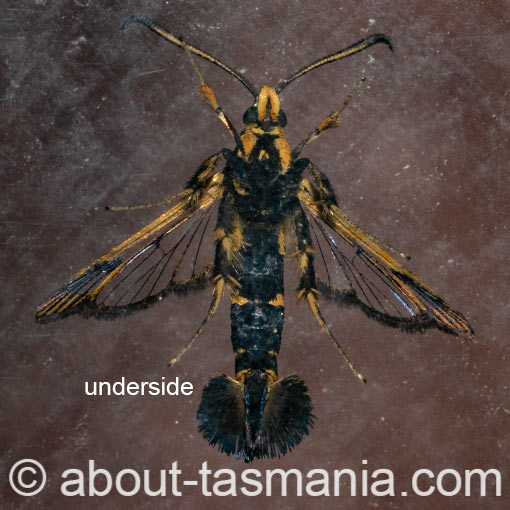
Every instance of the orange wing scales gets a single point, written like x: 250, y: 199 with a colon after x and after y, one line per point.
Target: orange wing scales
x: 103, y: 270
x: 412, y: 289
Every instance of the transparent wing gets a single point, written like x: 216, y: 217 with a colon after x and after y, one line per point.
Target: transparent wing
x: 172, y: 254
x: 354, y: 269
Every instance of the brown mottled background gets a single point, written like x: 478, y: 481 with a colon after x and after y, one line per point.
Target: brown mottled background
x: 92, y: 116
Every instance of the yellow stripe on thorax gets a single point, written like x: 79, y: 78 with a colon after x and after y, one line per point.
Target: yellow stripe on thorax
x: 249, y: 138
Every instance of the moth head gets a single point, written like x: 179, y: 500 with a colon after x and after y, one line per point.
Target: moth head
x: 255, y: 416
x: 266, y: 112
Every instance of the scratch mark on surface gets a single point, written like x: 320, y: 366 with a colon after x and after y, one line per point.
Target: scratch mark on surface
x: 151, y: 72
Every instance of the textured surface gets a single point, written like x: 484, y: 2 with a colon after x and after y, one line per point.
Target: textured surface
x: 92, y: 116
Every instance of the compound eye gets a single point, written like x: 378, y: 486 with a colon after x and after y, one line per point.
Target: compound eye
x: 282, y: 119
x: 250, y: 115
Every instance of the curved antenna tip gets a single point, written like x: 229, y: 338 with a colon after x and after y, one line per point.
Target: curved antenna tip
x: 380, y: 38
x: 143, y: 20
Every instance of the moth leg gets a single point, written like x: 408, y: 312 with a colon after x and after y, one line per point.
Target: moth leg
x: 304, y: 255
x: 207, y: 95
x: 414, y: 295
x: 201, y: 183
x: 219, y: 287
x: 331, y: 121
x: 199, y: 180
x: 149, y: 205
x: 80, y: 294
x: 229, y: 242
x: 205, y: 91
x: 307, y: 289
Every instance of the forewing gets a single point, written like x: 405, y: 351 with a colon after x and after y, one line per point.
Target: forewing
x: 172, y: 254
x: 354, y: 269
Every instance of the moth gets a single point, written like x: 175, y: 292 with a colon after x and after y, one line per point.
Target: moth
x: 253, y: 207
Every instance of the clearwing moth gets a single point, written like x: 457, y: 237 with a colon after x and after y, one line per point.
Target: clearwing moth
x: 256, y: 204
